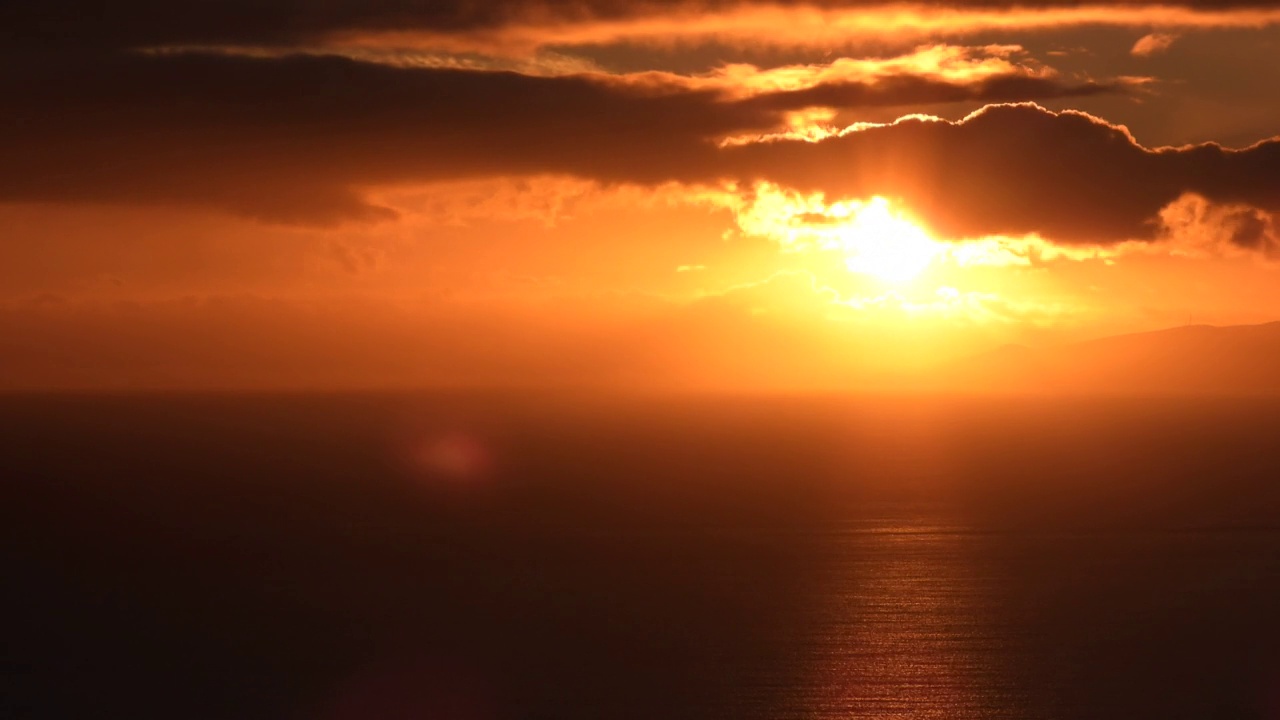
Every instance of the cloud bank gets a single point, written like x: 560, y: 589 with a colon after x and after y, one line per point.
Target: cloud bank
x: 303, y: 139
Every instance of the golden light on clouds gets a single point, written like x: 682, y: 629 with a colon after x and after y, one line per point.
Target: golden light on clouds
x: 879, y: 238
x: 789, y: 26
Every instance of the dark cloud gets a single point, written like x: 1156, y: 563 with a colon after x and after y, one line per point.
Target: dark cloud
x: 293, y: 139
x: 1252, y: 230
x: 921, y: 90
x: 288, y: 139
x: 298, y: 139
x: 1018, y: 169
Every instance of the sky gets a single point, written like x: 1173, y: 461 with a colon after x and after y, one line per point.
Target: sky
x: 729, y: 195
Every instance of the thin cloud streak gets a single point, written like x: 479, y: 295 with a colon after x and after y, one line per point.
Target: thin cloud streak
x: 1153, y: 44
x: 800, y: 26
x: 511, y: 28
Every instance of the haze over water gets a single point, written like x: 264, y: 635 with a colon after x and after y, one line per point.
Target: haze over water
x: 551, y: 556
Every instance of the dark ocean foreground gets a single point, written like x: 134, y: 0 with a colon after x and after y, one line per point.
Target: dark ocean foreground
x: 384, y: 557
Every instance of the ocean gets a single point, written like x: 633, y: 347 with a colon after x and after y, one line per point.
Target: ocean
x: 563, y: 556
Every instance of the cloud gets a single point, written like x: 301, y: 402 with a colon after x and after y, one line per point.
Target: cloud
x: 1016, y: 170
x: 310, y: 139
x: 295, y: 139
x: 931, y: 74
x: 944, y: 63
x: 1153, y: 44
x: 799, y: 25
x: 523, y: 26
x: 908, y: 90
x: 1197, y: 227
x: 300, y: 139
x: 847, y: 229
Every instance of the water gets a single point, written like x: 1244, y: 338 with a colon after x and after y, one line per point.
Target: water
x: 488, y: 556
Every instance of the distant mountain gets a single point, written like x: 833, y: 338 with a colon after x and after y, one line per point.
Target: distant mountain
x: 1195, y: 359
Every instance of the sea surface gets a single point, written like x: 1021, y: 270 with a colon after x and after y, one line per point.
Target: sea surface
x: 509, y: 556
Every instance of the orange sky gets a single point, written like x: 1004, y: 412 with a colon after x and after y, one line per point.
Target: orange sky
x: 721, y: 195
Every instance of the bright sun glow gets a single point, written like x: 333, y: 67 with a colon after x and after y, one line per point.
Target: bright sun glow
x: 886, y: 245
x: 871, y: 237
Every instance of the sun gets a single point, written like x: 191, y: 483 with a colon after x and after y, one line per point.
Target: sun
x: 871, y: 236
x: 886, y: 245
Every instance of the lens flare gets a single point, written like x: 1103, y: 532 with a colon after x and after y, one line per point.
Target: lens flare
x: 454, y: 455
